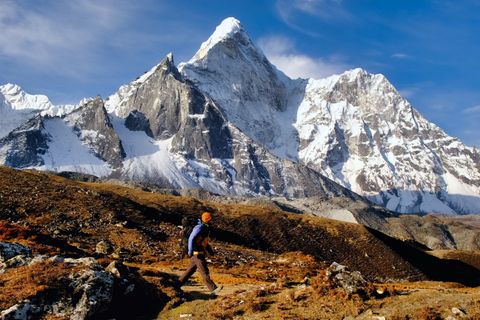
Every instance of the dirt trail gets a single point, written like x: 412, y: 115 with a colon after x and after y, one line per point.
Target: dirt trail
x: 197, y: 294
x: 266, y: 300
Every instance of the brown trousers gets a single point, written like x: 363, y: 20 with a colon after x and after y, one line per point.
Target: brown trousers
x: 198, y: 261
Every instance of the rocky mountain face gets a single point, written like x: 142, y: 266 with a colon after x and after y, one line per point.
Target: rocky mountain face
x: 210, y: 151
x: 229, y: 122
x: 92, y: 125
x: 24, y: 146
x: 354, y: 128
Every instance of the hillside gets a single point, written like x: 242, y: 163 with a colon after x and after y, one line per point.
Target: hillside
x: 256, y: 246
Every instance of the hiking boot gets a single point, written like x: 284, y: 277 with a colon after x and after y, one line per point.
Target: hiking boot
x: 216, y: 290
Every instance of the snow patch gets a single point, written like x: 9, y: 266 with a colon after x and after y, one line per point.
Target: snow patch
x: 67, y: 153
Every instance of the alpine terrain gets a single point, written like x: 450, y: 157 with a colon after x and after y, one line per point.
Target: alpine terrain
x: 229, y: 122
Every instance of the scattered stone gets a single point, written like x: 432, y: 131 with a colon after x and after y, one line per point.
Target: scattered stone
x: 118, y: 269
x: 18, y: 261
x: 93, y: 286
x: 103, y: 247
x: 38, y: 258
x: 458, y: 312
x: 10, y: 250
x: 351, y: 282
x: 301, y: 294
x: 19, y: 311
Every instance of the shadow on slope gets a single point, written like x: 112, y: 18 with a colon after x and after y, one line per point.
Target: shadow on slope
x: 377, y: 256
x: 433, y: 267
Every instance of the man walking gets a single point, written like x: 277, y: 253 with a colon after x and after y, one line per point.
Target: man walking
x: 198, y: 248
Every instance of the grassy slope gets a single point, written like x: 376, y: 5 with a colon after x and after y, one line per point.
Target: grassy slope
x: 254, y: 244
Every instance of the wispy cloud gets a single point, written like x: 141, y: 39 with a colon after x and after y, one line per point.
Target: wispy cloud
x: 472, y: 110
x: 282, y: 53
x: 408, y: 92
x: 400, y: 55
x: 67, y: 38
x: 291, y: 11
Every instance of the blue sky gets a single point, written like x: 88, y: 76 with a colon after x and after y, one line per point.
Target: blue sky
x: 429, y: 50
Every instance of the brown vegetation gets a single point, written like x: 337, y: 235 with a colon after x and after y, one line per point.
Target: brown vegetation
x: 272, y: 263
x: 40, y: 280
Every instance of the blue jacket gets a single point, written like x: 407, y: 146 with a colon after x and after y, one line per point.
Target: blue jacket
x: 198, y: 239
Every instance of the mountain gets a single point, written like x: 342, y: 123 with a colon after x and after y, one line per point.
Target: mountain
x: 354, y: 128
x: 194, y: 145
x: 17, y: 106
x: 229, y: 122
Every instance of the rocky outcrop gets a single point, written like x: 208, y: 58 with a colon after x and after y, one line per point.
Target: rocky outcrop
x: 90, y: 286
x: 92, y: 125
x: 24, y: 146
x: 13, y: 255
x: 351, y: 281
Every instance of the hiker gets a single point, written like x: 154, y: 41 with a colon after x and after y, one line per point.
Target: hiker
x: 198, y: 248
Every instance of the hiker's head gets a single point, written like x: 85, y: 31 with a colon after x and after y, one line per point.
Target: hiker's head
x: 206, y: 217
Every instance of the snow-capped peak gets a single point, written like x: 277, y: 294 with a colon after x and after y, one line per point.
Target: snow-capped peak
x: 10, y: 88
x: 355, y: 73
x: 19, y: 99
x: 225, y: 30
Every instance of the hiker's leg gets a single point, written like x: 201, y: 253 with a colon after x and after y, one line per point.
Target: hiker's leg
x: 203, y: 269
x: 190, y: 270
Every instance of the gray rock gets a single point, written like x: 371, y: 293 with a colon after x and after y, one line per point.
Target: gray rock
x: 137, y: 121
x: 92, y: 125
x: 94, y: 287
x: 20, y: 311
x: 11, y: 250
x: 17, y: 261
x: 118, y: 269
x: 24, y: 146
x: 458, y: 312
x: 351, y: 282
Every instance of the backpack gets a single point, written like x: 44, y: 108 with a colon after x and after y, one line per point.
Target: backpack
x: 188, y: 223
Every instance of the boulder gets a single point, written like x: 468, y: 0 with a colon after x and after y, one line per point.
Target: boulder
x: 10, y: 250
x: 350, y: 281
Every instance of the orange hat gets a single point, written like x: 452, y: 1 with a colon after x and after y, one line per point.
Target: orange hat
x: 206, y: 216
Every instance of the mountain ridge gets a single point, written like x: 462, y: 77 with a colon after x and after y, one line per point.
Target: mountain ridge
x: 196, y: 125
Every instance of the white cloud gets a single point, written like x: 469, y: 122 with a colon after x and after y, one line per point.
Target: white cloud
x: 472, y: 110
x: 400, y: 55
x: 408, y: 92
x: 62, y: 37
x: 281, y: 52
x: 291, y: 12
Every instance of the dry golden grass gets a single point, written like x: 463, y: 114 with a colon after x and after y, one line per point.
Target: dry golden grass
x: 256, y: 245
x: 40, y: 280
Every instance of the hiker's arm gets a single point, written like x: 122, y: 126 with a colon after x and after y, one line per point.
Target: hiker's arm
x: 192, y: 237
